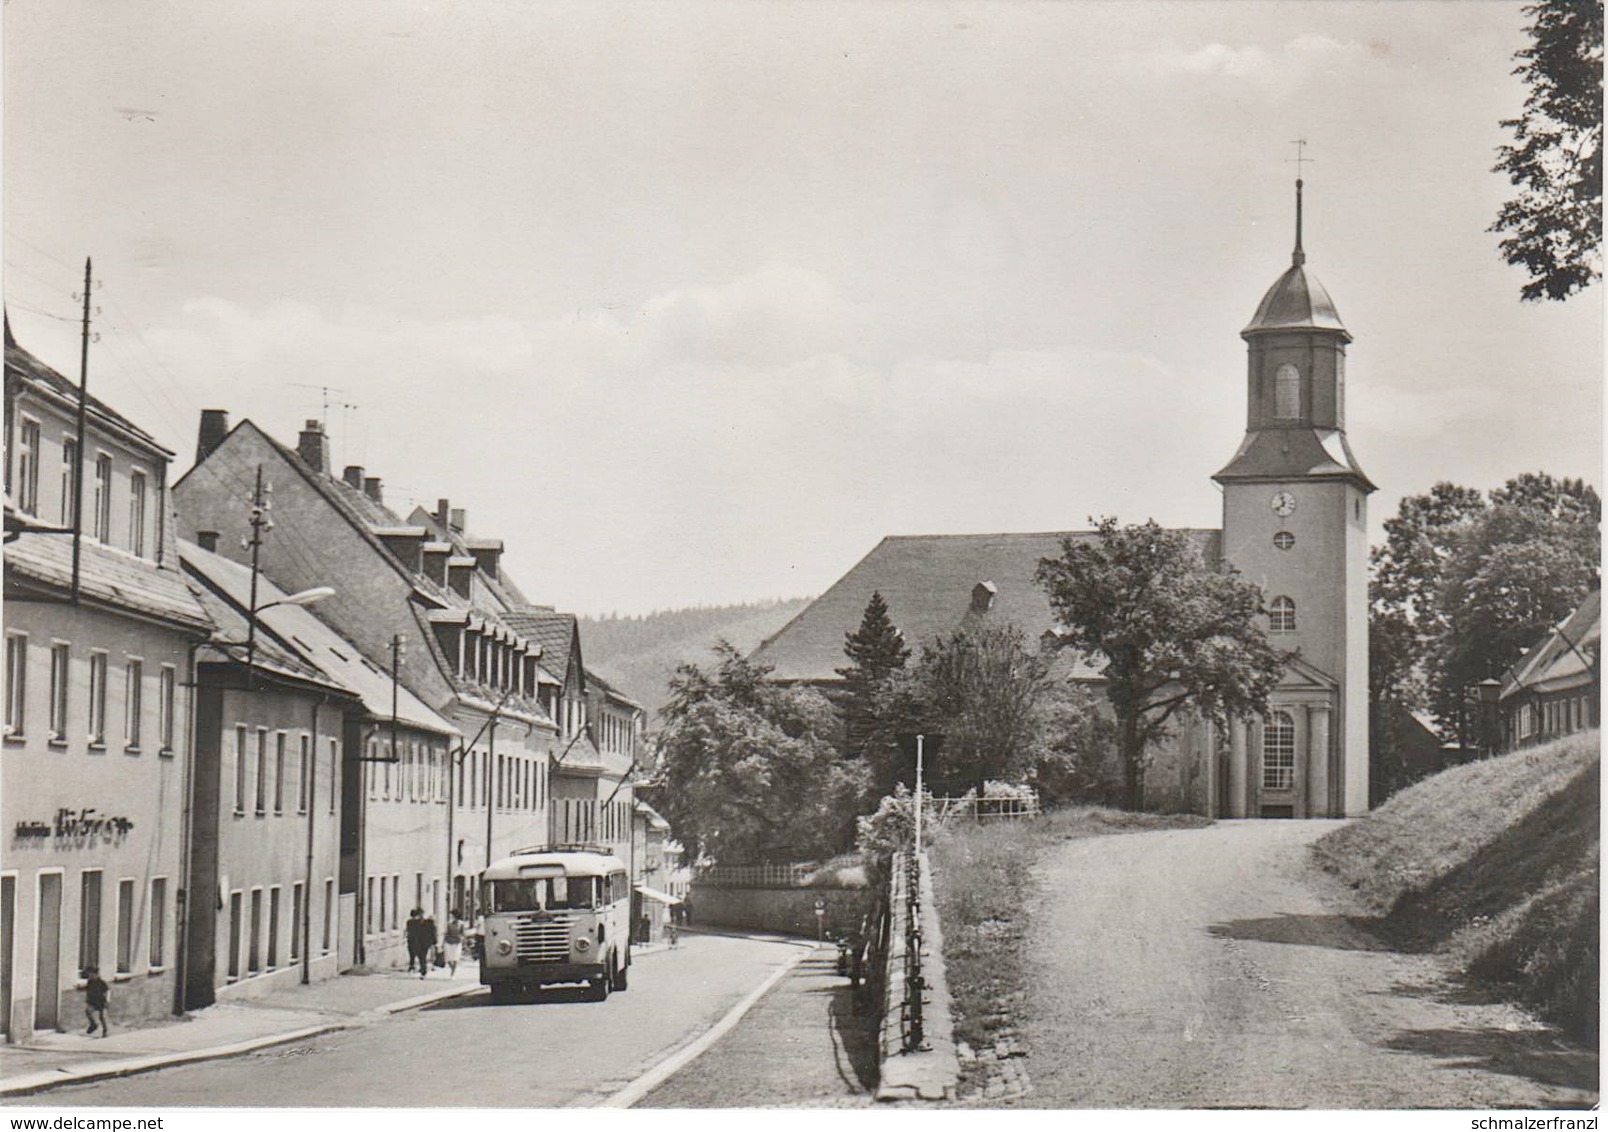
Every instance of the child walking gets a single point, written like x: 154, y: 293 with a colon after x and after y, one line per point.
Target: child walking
x: 95, y: 995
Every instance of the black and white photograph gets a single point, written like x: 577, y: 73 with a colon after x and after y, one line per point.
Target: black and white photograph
x: 685, y: 557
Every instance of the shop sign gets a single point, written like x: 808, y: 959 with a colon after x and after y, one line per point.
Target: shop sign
x: 75, y: 825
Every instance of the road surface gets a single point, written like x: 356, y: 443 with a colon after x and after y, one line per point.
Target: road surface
x: 1217, y: 968
x: 553, y: 1051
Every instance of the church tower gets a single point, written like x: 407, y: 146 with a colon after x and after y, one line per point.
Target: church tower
x: 1295, y: 521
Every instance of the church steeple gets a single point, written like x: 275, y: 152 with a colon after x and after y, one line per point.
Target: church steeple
x: 1297, y: 257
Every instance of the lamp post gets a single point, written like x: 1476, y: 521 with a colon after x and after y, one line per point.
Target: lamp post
x: 1490, y: 692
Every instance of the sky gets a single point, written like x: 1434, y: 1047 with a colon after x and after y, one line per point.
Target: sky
x: 693, y: 302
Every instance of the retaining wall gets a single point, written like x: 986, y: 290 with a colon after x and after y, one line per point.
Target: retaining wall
x: 787, y: 910
x: 932, y: 1072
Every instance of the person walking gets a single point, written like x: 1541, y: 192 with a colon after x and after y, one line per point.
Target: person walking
x: 452, y: 941
x: 96, y: 994
x: 414, y: 934
x: 427, y: 942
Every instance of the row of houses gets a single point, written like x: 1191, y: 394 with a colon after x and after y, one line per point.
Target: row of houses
x: 255, y: 717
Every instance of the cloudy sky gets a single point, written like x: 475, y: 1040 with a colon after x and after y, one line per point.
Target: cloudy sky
x: 693, y: 302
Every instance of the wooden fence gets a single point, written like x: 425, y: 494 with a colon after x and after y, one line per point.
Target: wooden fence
x: 986, y: 809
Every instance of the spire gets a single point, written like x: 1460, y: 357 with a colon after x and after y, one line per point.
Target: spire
x: 1297, y: 257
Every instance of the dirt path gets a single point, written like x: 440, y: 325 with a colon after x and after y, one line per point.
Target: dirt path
x: 1216, y: 968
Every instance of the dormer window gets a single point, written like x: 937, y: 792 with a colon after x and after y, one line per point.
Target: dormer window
x: 1287, y: 393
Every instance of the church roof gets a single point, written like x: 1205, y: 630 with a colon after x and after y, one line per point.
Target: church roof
x: 932, y: 584
x: 1296, y: 301
x: 1294, y: 453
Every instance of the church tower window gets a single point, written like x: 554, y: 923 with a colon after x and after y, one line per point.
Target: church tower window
x: 1284, y: 540
x: 1281, y: 615
x: 1278, y: 752
x: 1287, y: 393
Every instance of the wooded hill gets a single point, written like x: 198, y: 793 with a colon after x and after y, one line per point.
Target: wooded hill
x: 638, y: 655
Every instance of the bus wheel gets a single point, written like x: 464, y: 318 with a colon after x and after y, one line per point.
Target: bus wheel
x: 621, y: 980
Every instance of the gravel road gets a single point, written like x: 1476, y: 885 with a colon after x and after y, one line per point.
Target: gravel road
x: 1216, y: 967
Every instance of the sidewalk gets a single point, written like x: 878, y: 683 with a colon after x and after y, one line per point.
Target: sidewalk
x: 295, y: 1013
x: 800, y: 1046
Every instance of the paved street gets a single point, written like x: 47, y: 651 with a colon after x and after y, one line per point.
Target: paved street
x: 556, y: 1050
x: 1216, y: 968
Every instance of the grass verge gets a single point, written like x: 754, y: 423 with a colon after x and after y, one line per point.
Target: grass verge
x: 1495, y: 863
x: 983, y: 883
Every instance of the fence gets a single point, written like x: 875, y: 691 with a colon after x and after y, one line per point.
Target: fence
x: 987, y: 809
x: 757, y: 876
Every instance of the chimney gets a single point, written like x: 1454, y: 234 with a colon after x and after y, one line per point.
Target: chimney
x: 207, y: 541
x: 982, y: 596
x: 313, y: 447
x: 458, y: 522
x: 214, y: 427
x: 353, y: 477
x: 443, y: 514
x: 371, y: 488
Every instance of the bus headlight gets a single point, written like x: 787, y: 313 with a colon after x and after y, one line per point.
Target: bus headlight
x: 583, y: 944
x: 505, y: 947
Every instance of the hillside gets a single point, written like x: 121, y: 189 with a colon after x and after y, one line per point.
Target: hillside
x: 639, y: 654
x: 1497, y: 864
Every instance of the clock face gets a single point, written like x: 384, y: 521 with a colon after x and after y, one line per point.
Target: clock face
x: 1283, y: 503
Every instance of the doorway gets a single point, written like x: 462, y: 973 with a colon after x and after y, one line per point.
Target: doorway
x: 47, y: 975
x: 8, y: 951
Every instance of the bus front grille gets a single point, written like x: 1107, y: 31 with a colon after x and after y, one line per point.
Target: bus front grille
x: 542, y: 941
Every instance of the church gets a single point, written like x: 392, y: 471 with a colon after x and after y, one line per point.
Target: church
x: 1294, y: 523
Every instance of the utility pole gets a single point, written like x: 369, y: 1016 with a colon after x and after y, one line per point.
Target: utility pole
x: 83, y: 410
x: 259, y: 523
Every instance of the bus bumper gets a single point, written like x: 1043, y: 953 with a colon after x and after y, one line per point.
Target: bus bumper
x: 540, y: 974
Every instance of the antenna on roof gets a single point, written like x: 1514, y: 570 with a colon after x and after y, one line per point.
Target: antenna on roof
x: 325, y: 390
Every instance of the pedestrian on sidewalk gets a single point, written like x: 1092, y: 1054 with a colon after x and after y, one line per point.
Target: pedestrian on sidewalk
x: 414, y: 932
x: 427, y: 943
x: 96, y: 994
x: 452, y: 941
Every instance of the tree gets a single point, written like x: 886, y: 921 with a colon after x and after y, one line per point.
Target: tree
x: 1171, y: 632
x: 876, y: 650
x: 745, y: 770
x: 1555, y: 160
x: 984, y: 691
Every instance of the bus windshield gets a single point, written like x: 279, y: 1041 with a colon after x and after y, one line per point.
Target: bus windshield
x: 534, y: 894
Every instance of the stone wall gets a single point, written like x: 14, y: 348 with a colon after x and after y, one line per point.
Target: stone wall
x: 787, y: 910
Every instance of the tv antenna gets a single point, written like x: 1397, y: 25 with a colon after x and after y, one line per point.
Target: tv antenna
x: 325, y: 391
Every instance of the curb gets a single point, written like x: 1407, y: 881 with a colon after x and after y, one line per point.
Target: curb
x: 78, y: 1075
x: 679, y: 1059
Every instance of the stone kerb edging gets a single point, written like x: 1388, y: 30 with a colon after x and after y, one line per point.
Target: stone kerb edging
x: 932, y: 1074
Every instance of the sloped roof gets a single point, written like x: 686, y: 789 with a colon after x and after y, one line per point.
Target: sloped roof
x: 927, y: 581
x: 1296, y: 301
x: 1558, y: 661
x: 106, y: 577
x: 316, y: 645
x: 554, y: 632
x: 268, y: 656
x: 21, y: 365
x: 1269, y: 454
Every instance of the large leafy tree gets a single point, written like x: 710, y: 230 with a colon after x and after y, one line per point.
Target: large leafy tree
x: 876, y: 650
x: 1554, y: 222
x: 985, y: 693
x: 746, y: 771
x: 1170, y: 631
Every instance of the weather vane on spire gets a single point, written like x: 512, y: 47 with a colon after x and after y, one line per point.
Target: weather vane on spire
x: 1298, y: 257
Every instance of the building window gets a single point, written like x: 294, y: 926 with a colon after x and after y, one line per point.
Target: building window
x: 26, y: 489
x: 304, y: 778
x: 234, y: 936
x: 297, y: 911
x: 273, y: 927
x: 329, y: 912
x: 279, y: 773
x: 240, y: 769
x: 158, y: 957
x: 254, y: 944
x: 1278, y: 752
x: 16, y: 683
x: 1287, y: 393
x: 58, y: 692
x: 89, y: 920
x: 133, y: 702
x: 383, y: 920
x: 136, y: 513
x: 125, y: 926
x: 97, y: 699
x: 1284, y: 540
x: 103, y: 498
x: 396, y: 895
x: 368, y: 908
x: 262, y: 770
x: 166, y: 689
x: 334, y: 772
x: 1281, y: 615
x: 69, y: 481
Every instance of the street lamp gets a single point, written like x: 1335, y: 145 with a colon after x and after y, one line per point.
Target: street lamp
x: 1490, y: 692
x: 303, y: 597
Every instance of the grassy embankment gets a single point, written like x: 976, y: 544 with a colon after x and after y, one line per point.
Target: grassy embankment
x: 982, y: 880
x: 1495, y: 863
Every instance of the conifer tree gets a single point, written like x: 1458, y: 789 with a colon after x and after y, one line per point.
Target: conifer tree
x: 876, y: 650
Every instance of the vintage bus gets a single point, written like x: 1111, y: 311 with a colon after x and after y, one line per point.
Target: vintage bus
x: 556, y: 914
